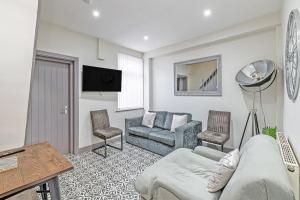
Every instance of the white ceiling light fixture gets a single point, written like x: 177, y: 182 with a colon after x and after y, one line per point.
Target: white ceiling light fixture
x: 96, y: 13
x: 146, y: 37
x: 207, y: 13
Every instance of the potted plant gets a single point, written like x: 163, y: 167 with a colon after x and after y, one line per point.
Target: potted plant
x: 271, y: 131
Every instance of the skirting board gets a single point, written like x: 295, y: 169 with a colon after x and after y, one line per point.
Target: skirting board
x: 115, y: 139
x: 97, y: 145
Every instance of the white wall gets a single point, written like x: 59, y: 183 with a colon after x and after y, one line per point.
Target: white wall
x: 53, y: 38
x: 17, y: 36
x: 291, y: 109
x: 236, y: 52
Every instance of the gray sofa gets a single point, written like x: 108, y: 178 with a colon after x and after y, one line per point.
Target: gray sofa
x: 159, y: 139
x: 183, y: 175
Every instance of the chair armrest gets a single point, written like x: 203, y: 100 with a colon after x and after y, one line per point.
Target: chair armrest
x: 209, y: 153
x: 186, y: 135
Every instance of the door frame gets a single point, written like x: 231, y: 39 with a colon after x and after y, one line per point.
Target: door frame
x: 73, y: 63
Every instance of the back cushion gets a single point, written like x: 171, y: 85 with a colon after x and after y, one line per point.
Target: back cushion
x: 260, y: 173
x: 169, y: 119
x: 160, y: 118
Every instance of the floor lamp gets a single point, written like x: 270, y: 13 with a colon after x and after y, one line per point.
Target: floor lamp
x: 256, y: 77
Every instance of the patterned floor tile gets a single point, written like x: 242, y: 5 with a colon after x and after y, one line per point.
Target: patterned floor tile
x: 112, y: 178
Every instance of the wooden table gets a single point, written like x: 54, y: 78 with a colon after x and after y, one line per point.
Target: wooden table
x: 37, y: 165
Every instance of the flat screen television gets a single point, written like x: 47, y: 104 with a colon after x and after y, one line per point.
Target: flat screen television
x: 101, y: 79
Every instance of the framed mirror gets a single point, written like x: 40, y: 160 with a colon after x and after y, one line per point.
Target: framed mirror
x: 198, y: 77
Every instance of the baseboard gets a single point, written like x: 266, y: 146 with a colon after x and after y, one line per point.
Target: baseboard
x: 118, y: 138
x: 97, y: 145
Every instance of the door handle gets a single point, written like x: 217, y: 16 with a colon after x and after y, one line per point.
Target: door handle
x: 65, y: 110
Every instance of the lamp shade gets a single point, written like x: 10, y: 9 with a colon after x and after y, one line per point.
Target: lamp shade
x: 256, y: 73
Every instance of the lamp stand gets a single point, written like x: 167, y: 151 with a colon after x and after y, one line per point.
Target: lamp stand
x: 255, y: 126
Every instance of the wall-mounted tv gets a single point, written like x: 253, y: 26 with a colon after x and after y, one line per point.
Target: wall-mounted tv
x: 101, y: 79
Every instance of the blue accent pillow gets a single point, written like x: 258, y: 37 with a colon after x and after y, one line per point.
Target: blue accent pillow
x: 160, y: 119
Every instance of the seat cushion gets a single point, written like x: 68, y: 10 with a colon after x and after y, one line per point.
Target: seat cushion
x: 213, y: 137
x: 182, y: 172
x: 143, y: 131
x: 108, y: 132
x: 165, y: 137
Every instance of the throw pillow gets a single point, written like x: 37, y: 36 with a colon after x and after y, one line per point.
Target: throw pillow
x: 223, y: 172
x: 148, y: 119
x: 178, y: 120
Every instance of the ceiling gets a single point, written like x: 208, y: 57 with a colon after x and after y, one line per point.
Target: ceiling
x: 126, y: 22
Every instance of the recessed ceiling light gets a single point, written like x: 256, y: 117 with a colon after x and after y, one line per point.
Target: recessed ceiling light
x: 207, y: 13
x: 146, y: 37
x: 96, y: 13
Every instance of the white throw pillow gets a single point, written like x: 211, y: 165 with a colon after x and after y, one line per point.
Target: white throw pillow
x: 148, y: 119
x: 223, y: 172
x: 178, y: 120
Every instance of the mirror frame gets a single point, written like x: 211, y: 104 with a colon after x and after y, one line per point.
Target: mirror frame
x: 201, y: 93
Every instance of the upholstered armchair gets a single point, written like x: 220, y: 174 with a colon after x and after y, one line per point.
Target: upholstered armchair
x: 218, y: 128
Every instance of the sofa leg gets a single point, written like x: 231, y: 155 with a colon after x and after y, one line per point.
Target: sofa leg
x: 222, y: 148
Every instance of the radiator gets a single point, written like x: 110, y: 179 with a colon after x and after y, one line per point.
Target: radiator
x: 290, y: 161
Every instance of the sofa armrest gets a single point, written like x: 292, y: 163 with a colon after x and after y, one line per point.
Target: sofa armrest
x: 132, y: 122
x: 209, y: 153
x: 186, y: 136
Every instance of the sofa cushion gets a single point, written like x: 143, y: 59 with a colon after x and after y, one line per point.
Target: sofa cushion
x: 142, y: 131
x: 260, y: 173
x: 160, y: 118
x: 165, y: 137
x: 169, y: 119
x: 183, y: 173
